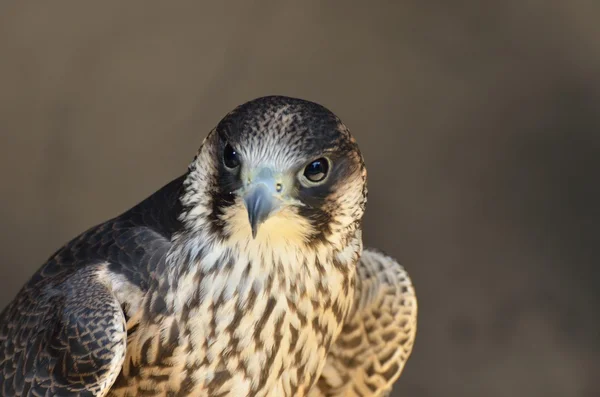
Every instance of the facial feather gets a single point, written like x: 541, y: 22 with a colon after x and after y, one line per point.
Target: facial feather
x: 259, y: 312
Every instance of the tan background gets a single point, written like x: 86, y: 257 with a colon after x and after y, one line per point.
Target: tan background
x: 478, y: 120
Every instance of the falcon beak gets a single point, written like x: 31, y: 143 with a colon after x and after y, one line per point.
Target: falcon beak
x: 261, y: 201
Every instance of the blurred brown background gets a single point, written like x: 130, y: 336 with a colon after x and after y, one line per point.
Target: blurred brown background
x: 478, y: 120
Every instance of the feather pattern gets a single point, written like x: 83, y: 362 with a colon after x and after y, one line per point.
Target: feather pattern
x: 180, y: 297
x: 378, y: 337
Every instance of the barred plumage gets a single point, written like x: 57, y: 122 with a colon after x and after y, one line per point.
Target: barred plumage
x: 244, y: 277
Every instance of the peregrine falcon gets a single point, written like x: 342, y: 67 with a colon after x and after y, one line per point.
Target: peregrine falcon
x: 246, y: 276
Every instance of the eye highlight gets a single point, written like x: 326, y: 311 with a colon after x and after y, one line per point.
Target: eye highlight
x: 317, y: 170
x: 230, y: 157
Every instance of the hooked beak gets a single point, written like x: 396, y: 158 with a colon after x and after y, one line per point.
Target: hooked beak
x: 260, y: 201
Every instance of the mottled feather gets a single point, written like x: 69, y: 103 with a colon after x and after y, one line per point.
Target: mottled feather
x: 379, y: 334
x: 180, y: 296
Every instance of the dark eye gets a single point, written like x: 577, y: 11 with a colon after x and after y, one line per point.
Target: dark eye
x: 230, y: 157
x: 317, y: 170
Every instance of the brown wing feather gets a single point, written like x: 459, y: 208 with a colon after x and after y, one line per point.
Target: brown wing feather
x: 377, y: 340
x: 67, y: 340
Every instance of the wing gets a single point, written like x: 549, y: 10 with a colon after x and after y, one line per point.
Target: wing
x: 377, y: 339
x: 66, y: 340
x: 64, y: 333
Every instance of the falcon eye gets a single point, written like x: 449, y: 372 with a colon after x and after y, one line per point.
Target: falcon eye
x: 230, y: 157
x: 317, y: 170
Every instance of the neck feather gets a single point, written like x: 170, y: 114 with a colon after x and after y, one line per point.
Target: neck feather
x: 201, y: 269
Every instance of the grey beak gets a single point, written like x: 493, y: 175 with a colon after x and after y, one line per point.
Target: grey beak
x: 260, y: 203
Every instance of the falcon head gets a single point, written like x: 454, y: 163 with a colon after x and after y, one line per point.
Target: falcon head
x: 277, y: 168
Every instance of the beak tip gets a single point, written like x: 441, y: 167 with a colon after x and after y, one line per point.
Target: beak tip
x: 253, y: 224
x: 259, y: 204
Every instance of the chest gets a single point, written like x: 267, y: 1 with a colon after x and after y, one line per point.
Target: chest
x: 242, y: 330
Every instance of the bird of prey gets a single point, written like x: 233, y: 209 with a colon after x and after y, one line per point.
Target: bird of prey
x: 246, y: 276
